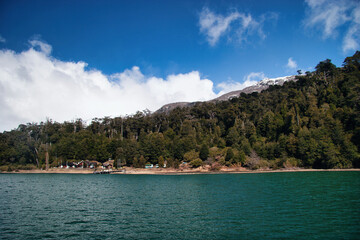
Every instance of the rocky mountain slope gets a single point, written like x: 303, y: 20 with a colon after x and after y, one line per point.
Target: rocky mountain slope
x: 258, y: 87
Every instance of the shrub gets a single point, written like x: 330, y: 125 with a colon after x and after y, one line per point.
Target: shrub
x: 253, y: 161
x: 27, y: 167
x: 196, y: 163
x: 191, y: 155
x: 215, y: 166
x: 291, y: 162
x: 4, y: 168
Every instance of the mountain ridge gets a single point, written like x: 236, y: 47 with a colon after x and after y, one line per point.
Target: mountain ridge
x: 257, y: 87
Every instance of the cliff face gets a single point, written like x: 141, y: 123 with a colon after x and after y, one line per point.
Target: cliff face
x: 258, y: 87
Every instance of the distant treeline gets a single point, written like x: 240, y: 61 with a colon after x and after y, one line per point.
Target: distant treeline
x: 313, y: 122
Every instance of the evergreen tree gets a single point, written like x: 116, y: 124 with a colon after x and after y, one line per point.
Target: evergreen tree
x: 204, y: 152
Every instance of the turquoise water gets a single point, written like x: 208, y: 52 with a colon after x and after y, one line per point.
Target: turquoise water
x: 300, y: 205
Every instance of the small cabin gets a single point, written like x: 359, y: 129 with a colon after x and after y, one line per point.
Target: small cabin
x: 93, y: 164
x: 108, y: 164
x: 149, y: 165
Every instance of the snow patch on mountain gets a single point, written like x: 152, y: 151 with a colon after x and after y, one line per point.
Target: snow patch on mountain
x: 258, y: 87
x: 275, y: 81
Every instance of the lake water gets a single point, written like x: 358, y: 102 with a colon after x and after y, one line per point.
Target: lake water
x: 298, y: 205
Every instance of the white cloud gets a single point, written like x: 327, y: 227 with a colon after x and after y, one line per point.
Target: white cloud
x: 251, y: 27
x: 34, y: 85
x: 43, y: 47
x: 244, y: 25
x: 352, y: 37
x: 2, y: 40
x: 329, y: 16
x: 215, y: 25
x: 291, y: 64
x: 255, y: 76
x: 314, y: 3
x: 250, y: 79
x: 248, y: 26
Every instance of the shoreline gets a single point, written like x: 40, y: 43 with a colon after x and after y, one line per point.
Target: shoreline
x: 172, y: 171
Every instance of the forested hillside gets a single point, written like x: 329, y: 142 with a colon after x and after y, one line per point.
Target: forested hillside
x: 312, y: 123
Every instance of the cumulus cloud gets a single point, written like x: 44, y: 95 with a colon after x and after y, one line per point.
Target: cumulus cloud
x: 250, y: 79
x: 329, y: 16
x: 238, y: 26
x: 291, y: 64
x: 2, y: 40
x: 34, y: 85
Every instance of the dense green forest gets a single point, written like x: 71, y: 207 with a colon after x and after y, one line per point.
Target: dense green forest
x: 313, y: 122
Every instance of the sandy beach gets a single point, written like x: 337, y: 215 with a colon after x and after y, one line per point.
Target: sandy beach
x: 173, y: 171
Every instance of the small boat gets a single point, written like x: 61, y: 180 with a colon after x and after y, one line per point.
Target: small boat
x: 102, y: 172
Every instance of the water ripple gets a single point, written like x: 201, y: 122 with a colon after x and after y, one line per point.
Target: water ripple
x: 317, y: 205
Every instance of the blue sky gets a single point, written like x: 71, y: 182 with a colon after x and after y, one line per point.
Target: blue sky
x: 128, y: 47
